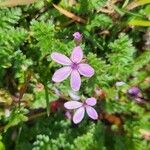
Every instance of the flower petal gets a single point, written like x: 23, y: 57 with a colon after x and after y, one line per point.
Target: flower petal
x: 77, y: 35
x: 86, y: 70
x: 77, y: 54
x: 91, y: 101
x: 60, y: 58
x: 74, y: 95
x: 75, y: 80
x: 68, y: 115
x: 91, y: 112
x: 79, y: 114
x: 72, y: 105
x: 61, y: 74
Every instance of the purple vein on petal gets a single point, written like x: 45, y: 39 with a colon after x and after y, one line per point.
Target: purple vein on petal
x: 72, y: 105
x: 75, y: 80
x: 86, y: 70
x: 91, y: 101
x: 61, y: 74
x: 91, y: 112
x: 60, y: 58
x: 77, y: 54
x: 79, y: 114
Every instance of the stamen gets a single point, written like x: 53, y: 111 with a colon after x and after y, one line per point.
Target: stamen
x: 74, y: 66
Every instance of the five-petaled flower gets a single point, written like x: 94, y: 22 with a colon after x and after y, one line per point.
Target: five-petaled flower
x: 81, y: 108
x: 73, y: 67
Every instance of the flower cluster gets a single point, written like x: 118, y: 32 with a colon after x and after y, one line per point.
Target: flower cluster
x: 75, y: 68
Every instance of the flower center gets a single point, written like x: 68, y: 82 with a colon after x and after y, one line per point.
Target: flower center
x: 74, y: 66
x: 84, y: 105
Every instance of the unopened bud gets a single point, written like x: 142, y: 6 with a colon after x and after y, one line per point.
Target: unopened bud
x: 77, y: 38
x: 134, y: 91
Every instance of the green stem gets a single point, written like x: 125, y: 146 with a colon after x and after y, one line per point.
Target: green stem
x: 47, y: 99
x: 18, y: 136
x: 125, y: 3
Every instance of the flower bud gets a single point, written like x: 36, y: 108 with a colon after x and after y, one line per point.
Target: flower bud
x: 134, y: 91
x: 74, y: 95
x: 68, y: 115
x: 77, y: 38
x: 136, y: 95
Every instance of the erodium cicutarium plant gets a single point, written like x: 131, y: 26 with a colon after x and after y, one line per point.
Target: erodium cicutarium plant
x: 80, y: 109
x: 73, y: 67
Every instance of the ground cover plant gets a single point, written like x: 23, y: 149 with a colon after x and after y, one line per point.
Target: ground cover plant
x: 74, y: 74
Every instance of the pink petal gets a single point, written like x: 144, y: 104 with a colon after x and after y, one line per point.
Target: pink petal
x: 91, y: 101
x: 75, y: 80
x: 68, y: 115
x: 79, y: 114
x: 91, y: 112
x: 72, y: 105
x: 86, y: 70
x: 61, y: 74
x: 77, y: 35
x: 60, y: 58
x: 77, y: 54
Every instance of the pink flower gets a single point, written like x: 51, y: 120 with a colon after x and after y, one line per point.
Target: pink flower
x: 81, y: 108
x: 73, y: 67
x: 77, y: 36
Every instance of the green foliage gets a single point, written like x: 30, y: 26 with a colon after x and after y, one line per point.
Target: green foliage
x: 121, y: 57
x: 10, y: 42
x: 2, y: 146
x: 101, y: 20
x: 28, y: 36
x: 16, y: 117
x: 41, y: 143
x: 44, y: 35
x: 102, y: 76
x: 9, y: 17
x: 96, y: 4
x: 142, y: 60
